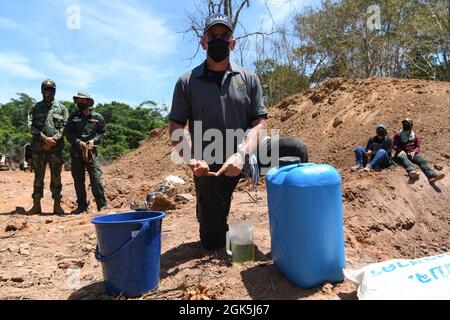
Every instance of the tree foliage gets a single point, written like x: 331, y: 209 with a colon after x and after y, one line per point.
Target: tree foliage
x: 342, y: 39
x: 126, y: 126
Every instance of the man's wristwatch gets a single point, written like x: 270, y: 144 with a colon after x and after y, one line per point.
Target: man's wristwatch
x: 245, y: 156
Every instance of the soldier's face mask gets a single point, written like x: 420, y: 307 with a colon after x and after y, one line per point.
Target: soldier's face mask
x: 84, y: 107
x: 49, y: 95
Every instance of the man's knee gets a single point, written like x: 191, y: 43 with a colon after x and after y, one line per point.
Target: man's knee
x: 382, y: 153
x: 360, y: 149
x: 293, y: 147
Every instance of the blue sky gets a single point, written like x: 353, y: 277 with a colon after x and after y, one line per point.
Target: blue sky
x: 128, y: 51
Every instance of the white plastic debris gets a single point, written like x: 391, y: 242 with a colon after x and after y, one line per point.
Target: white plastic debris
x: 421, y: 279
x: 175, y: 180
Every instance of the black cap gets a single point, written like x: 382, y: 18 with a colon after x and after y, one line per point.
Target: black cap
x: 407, y: 121
x: 218, y: 19
x: 287, y: 161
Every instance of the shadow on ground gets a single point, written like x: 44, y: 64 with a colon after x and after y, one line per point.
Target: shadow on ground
x: 93, y: 291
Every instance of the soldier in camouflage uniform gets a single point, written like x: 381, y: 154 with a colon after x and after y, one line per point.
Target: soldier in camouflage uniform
x: 85, y: 130
x: 46, y: 122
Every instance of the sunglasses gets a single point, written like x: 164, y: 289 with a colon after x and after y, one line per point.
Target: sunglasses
x: 219, y: 36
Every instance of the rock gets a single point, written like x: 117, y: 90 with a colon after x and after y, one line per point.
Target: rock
x: 48, y: 221
x: 17, y: 279
x: 10, y: 228
x: 337, y: 122
x: 315, y: 114
x: 327, y: 289
x: 287, y: 115
x: 438, y: 167
x: 20, y: 264
x: 445, y: 155
x: 73, y: 264
x: 184, y: 197
x: 162, y: 203
x: 24, y: 249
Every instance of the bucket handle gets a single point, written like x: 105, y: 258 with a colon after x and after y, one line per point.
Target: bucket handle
x: 101, y: 258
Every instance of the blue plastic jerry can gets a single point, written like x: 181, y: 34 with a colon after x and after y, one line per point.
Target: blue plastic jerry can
x: 306, y: 223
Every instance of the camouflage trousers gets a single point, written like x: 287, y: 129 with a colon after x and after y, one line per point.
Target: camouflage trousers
x: 79, y: 168
x: 55, y: 162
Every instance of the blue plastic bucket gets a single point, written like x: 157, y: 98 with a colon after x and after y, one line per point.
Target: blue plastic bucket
x: 129, y: 248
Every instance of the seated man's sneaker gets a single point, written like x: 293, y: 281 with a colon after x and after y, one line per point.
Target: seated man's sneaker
x: 368, y: 168
x: 437, y: 178
x: 357, y: 167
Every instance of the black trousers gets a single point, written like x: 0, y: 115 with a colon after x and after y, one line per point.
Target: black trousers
x: 79, y: 168
x: 214, y: 194
x: 407, y: 162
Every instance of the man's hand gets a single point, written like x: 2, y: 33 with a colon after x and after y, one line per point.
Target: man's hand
x: 402, y: 154
x: 90, y: 144
x: 232, y: 167
x: 412, y: 155
x: 199, y: 167
x: 82, y: 146
x: 48, y: 143
x: 369, y: 153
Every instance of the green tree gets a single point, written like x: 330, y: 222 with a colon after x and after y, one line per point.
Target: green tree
x: 279, y: 81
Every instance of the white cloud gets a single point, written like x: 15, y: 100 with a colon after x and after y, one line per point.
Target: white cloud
x: 131, y: 26
x: 18, y: 66
x: 77, y: 75
x: 7, y: 24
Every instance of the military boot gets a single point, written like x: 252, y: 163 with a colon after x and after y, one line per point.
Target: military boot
x: 36, y: 207
x: 57, y: 209
x: 79, y: 210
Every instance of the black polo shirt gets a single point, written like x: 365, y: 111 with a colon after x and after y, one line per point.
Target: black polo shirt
x: 233, y: 105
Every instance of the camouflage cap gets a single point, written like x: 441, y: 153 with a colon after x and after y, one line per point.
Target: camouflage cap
x: 48, y: 84
x: 83, y: 96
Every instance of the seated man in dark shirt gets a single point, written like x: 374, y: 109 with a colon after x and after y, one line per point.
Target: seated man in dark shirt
x: 377, y: 154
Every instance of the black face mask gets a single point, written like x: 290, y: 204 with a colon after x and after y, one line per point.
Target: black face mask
x: 407, y: 127
x: 82, y: 107
x: 218, y: 50
x: 382, y: 133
